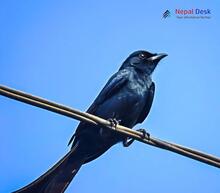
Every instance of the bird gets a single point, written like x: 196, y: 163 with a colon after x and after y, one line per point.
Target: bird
x: 126, y: 98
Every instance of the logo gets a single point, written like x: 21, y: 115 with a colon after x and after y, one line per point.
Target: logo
x: 166, y: 14
x: 193, y: 13
x: 188, y: 13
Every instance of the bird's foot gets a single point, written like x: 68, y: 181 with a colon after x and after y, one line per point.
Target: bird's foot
x: 114, y: 122
x: 145, y: 134
x: 128, y: 141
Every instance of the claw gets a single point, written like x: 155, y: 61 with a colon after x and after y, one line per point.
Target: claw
x: 128, y: 141
x: 114, y: 122
x: 145, y: 134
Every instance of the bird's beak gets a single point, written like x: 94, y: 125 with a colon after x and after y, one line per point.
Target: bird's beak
x: 157, y: 57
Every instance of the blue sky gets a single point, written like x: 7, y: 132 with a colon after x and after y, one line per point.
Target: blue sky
x: 66, y: 51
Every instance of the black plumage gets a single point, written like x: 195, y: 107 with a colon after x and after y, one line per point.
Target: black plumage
x: 127, y: 97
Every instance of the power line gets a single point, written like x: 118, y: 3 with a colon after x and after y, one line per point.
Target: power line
x: 82, y: 116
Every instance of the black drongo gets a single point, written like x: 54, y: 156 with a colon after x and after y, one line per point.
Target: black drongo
x: 127, y: 97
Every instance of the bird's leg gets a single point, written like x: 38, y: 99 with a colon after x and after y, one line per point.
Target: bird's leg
x: 113, y: 124
x: 145, y: 133
x: 128, y: 141
x: 114, y: 121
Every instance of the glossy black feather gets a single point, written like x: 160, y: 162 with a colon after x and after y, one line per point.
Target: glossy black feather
x: 149, y: 101
x: 113, y: 86
x: 128, y: 97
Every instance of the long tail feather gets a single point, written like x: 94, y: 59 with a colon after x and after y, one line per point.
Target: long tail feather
x: 57, y: 179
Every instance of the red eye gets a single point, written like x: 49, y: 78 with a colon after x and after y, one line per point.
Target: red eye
x: 141, y: 56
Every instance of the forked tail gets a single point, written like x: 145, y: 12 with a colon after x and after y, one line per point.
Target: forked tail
x: 57, y: 179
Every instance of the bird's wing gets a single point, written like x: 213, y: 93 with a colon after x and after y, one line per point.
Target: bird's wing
x: 115, y: 83
x: 146, y: 109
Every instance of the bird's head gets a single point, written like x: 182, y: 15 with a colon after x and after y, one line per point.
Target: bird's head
x: 143, y: 61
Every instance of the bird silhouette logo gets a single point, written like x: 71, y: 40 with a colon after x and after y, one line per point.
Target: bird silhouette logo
x: 166, y: 14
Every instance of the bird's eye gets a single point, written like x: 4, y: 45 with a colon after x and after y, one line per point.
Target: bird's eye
x: 142, y: 56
